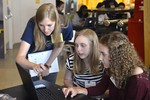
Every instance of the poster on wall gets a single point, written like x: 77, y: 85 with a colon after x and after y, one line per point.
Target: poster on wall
x: 37, y: 1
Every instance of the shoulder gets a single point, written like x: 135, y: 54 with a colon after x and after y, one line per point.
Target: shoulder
x: 138, y: 85
x: 31, y: 21
x: 28, y: 32
x: 138, y: 77
x: 69, y: 62
x: 30, y: 25
x: 71, y: 57
x: 137, y: 70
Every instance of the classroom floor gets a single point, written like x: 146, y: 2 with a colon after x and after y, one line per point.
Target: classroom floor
x: 9, y: 75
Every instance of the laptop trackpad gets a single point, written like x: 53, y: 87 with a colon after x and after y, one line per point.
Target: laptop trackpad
x: 40, y: 86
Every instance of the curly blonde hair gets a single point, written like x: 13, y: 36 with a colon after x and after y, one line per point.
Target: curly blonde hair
x: 124, y: 57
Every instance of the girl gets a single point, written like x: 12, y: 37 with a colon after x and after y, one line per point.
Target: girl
x: 126, y: 76
x: 83, y: 67
x: 43, y: 32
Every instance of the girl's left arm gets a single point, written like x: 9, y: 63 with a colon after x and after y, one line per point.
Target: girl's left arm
x: 55, y: 52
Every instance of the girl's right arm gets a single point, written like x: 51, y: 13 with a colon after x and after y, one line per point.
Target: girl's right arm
x: 68, y: 78
x: 74, y: 91
x: 97, y: 90
x: 21, y: 58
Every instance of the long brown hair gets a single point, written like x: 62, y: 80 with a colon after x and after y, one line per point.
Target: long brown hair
x: 50, y: 11
x: 93, y: 56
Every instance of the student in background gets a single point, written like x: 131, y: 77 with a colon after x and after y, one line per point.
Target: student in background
x: 126, y: 76
x: 80, y: 16
x: 110, y: 3
x: 83, y: 68
x: 66, y: 25
x: 60, y: 6
x: 43, y: 32
x: 101, y: 17
x: 121, y: 6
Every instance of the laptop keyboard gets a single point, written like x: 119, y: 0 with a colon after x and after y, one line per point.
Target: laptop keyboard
x: 46, y: 94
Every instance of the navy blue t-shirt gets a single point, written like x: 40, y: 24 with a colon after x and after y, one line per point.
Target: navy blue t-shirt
x: 28, y: 36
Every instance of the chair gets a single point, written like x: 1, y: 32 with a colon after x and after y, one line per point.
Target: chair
x: 69, y: 46
x: 67, y: 49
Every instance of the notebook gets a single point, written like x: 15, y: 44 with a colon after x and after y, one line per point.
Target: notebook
x: 42, y: 57
x: 40, y: 90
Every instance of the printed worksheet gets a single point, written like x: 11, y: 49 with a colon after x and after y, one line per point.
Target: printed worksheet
x: 42, y: 57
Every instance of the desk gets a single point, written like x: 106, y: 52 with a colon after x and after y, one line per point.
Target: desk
x: 17, y: 91
x: 20, y: 93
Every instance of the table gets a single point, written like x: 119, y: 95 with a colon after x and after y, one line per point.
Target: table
x: 20, y: 93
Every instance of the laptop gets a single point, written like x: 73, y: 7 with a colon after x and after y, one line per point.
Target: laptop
x: 89, y: 23
x: 43, y: 90
x: 40, y: 90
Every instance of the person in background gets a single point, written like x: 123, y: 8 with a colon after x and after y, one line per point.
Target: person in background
x: 101, y: 17
x: 42, y: 33
x: 66, y: 25
x: 80, y: 16
x: 60, y: 6
x: 126, y: 76
x: 121, y: 6
x: 110, y: 3
x: 100, y: 5
x: 83, y: 68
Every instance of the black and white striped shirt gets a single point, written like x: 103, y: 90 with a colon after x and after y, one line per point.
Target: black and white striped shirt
x: 84, y: 80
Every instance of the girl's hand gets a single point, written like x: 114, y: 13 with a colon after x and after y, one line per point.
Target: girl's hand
x: 45, y: 72
x: 69, y: 90
x: 39, y: 68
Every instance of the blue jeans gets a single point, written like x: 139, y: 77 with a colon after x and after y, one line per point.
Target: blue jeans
x: 50, y: 78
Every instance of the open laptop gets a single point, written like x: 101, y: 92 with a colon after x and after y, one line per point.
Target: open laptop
x: 43, y: 90
x: 89, y: 23
x: 40, y: 90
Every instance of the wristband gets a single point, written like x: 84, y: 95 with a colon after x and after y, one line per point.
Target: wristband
x: 46, y: 65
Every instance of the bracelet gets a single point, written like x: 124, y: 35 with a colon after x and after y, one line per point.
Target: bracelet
x: 46, y: 65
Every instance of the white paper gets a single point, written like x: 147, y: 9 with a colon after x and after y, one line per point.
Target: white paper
x: 41, y: 58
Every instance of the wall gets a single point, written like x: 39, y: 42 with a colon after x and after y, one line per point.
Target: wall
x: 1, y: 10
x: 147, y: 32
x: 7, y: 24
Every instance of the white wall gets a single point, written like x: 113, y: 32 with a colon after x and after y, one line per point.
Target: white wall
x: 7, y: 24
x: 1, y: 10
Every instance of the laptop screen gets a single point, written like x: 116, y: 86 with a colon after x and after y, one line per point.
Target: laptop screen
x: 54, y: 90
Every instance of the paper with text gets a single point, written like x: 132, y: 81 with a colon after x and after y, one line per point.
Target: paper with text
x: 42, y: 57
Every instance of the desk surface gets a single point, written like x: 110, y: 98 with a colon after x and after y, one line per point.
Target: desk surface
x: 17, y: 91
x: 20, y: 93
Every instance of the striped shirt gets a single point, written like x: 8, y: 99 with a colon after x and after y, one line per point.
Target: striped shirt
x: 84, y: 80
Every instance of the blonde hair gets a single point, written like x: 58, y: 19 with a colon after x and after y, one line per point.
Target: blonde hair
x: 50, y: 11
x: 123, y: 55
x: 93, y: 56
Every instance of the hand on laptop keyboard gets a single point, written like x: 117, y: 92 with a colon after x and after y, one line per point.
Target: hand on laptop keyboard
x: 69, y: 92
